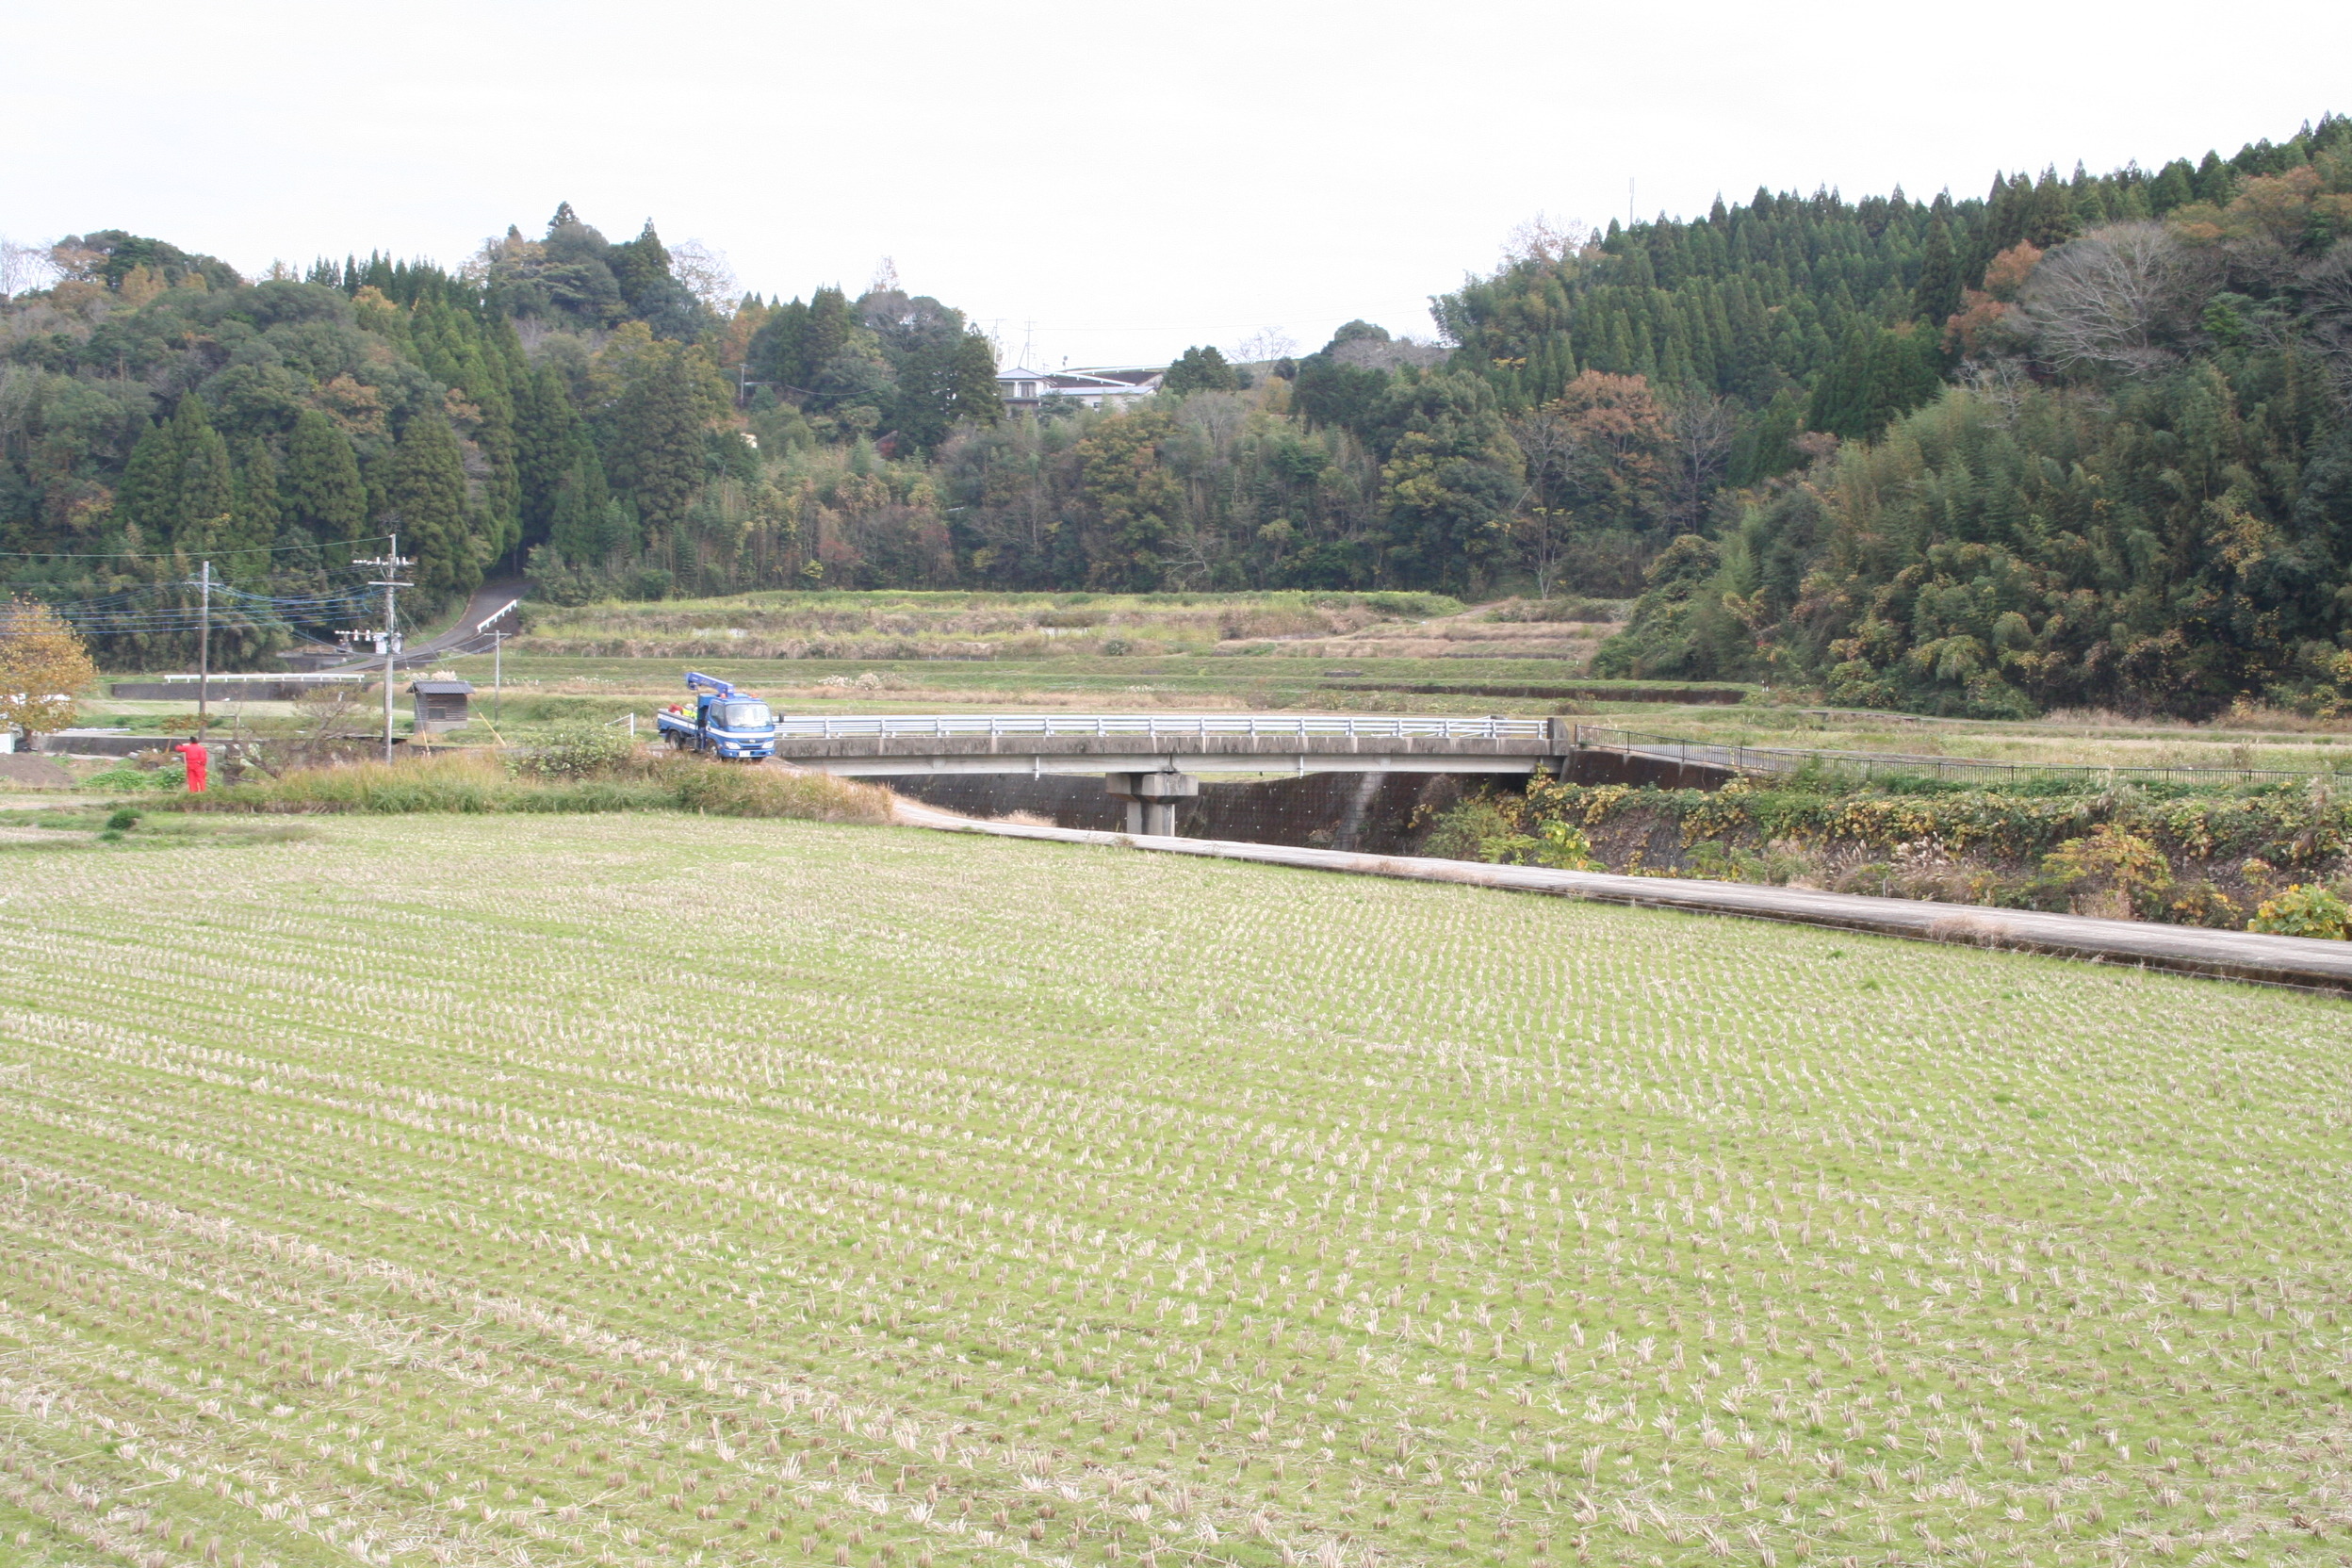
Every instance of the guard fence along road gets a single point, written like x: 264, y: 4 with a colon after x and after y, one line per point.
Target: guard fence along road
x: 1174, y: 726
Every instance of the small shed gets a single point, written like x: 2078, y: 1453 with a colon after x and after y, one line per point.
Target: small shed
x: 440, y: 704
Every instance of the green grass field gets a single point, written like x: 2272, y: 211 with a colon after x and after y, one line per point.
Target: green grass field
x: 663, y: 1191
x: 891, y: 651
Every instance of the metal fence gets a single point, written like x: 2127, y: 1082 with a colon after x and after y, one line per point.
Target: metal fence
x: 1171, y: 726
x: 1873, y: 764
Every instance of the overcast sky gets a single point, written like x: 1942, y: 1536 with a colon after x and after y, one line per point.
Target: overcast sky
x: 1102, y: 183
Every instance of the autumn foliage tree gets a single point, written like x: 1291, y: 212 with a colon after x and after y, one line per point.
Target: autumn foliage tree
x: 42, y: 664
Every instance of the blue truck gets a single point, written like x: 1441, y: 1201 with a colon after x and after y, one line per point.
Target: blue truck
x: 725, y: 722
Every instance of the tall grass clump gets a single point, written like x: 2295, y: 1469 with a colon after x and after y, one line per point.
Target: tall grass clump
x: 473, y: 785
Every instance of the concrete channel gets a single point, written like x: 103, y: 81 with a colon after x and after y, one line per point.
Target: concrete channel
x: 2298, y: 962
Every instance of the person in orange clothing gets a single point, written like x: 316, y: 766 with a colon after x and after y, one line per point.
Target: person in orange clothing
x: 193, y: 754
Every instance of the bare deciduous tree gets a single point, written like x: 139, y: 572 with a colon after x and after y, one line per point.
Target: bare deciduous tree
x: 1541, y: 528
x: 706, y: 274
x: 1701, y: 428
x: 2118, y: 297
x: 1266, y: 343
x: 1542, y: 240
x: 2327, y: 286
x: 25, y: 267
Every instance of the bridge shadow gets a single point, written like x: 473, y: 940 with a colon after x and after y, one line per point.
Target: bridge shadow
x: 1376, y: 813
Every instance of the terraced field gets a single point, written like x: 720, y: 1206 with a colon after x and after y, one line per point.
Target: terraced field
x: 660, y: 1190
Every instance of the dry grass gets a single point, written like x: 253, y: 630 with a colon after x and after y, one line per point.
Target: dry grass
x: 474, y: 783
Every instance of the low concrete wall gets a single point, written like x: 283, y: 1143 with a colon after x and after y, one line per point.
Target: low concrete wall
x: 282, y: 689
x: 103, y: 745
x: 1591, y: 765
x: 2304, y: 963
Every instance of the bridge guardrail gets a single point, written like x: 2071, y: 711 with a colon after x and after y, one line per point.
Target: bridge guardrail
x: 1156, y: 726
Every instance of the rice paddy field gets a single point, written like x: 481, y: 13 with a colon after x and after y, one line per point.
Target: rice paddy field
x: 662, y: 1190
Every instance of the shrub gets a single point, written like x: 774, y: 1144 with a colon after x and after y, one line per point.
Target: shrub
x: 2107, y: 872
x: 727, y: 790
x: 579, y: 751
x: 171, y: 775
x: 2305, y: 909
x: 1495, y: 828
x: 1463, y: 832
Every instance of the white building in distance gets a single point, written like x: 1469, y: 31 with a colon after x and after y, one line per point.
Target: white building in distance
x: 1094, y: 387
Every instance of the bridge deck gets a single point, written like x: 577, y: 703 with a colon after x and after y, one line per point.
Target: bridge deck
x: 884, y: 745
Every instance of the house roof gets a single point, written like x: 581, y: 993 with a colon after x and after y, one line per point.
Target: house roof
x: 442, y: 688
x: 1133, y: 375
x: 1116, y: 380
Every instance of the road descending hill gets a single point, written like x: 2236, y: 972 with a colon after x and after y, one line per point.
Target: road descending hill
x: 649, y: 1191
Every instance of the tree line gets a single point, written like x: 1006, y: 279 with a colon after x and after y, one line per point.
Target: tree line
x: 587, y: 411
x: 2077, y: 440
x: 2132, y: 488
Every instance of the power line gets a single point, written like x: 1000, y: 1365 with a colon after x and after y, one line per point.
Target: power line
x: 151, y: 555
x: 122, y: 615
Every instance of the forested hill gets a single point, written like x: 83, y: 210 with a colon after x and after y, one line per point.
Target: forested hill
x: 2081, y: 440
x: 566, y: 404
x: 2097, y: 448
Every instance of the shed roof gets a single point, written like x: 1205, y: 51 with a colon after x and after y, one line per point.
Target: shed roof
x: 442, y: 688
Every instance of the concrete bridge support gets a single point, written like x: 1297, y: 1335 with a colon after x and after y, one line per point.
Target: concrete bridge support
x: 1152, y: 799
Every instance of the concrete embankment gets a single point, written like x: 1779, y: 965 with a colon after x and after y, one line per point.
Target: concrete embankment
x: 2296, y: 961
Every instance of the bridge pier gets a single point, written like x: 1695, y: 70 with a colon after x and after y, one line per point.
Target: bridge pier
x: 1152, y: 798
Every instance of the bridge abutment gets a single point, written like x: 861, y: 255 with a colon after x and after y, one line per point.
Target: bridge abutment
x: 1152, y: 799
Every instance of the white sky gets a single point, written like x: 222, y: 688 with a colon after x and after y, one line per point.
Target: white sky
x: 1129, y: 178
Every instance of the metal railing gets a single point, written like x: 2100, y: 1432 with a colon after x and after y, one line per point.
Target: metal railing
x: 289, y: 677
x: 1873, y: 764
x: 1175, y: 726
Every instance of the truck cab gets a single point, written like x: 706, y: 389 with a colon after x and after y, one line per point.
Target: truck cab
x: 724, y: 723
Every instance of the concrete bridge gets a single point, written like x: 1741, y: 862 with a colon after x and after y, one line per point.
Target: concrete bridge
x: 1154, y: 759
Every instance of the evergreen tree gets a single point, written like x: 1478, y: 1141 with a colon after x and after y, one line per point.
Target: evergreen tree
x: 1199, y: 369
x: 148, y: 497
x: 657, y: 446
x: 775, y: 351
x: 2175, y: 185
x: 639, y: 265
x: 259, y: 513
x: 205, y: 506
x: 321, y: 491
x: 424, y: 490
x: 588, y: 527
x: 549, y: 439
x: 972, y: 390
x: 1450, y: 479
x: 1937, y: 295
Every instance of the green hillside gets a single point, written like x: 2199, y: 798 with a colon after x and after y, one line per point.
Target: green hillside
x: 2079, y: 442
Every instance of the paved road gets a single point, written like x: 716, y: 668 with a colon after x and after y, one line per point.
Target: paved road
x: 460, y: 639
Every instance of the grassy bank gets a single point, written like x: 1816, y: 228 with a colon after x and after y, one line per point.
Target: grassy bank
x: 2211, y: 856
x: 472, y: 784
x: 962, y: 626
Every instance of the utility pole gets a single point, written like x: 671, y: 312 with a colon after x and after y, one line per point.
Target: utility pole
x: 388, y: 641
x: 203, y: 653
x: 498, y: 648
